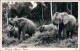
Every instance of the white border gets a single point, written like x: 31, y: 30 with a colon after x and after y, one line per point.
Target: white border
x: 47, y: 49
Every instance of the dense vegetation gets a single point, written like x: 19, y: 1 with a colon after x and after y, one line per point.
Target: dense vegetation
x: 41, y: 14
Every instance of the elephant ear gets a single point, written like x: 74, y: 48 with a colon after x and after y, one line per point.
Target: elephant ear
x: 55, y: 15
x: 65, y: 18
x: 21, y: 22
x: 56, y: 18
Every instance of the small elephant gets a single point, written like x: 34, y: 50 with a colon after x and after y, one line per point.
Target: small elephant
x: 12, y: 31
x: 66, y: 23
x: 25, y: 26
x: 45, y: 28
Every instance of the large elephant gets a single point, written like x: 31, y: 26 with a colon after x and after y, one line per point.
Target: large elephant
x: 66, y: 23
x: 50, y: 27
x: 25, y: 26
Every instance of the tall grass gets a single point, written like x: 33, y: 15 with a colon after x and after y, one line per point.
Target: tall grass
x: 45, y: 39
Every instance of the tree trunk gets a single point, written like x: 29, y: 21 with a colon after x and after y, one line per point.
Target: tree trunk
x: 42, y: 14
x: 51, y: 10
x: 55, y: 7
x: 7, y: 10
x: 71, y: 8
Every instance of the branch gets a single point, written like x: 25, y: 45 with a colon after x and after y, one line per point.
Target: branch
x: 68, y: 8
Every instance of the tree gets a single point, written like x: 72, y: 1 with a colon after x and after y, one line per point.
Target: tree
x: 51, y: 10
x: 21, y: 9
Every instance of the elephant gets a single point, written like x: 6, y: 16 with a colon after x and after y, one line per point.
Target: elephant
x: 15, y: 30
x: 12, y: 31
x: 65, y: 22
x: 44, y: 28
x: 25, y: 26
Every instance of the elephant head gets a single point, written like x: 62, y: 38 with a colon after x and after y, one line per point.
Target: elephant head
x: 25, y: 26
x: 65, y: 17
x: 11, y: 22
x: 19, y: 21
x: 59, y: 18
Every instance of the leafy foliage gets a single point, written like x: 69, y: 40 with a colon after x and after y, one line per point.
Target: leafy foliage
x: 41, y: 14
x: 23, y: 9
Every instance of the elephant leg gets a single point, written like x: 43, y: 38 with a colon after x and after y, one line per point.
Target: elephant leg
x: 8, y: 34
x: 72, y: 33
x: 23, y: 34
x: 60, y: 30
x: 19, y: 34
x: 67, y: 34
x: 15, y: 35
x: 64, y: 33
x: 61, y: 26
x: 30, y: 34
x: 11, y: 33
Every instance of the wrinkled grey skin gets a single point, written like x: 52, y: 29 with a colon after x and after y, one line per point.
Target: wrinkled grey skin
x: 66, y: 23
x: 25, y: 26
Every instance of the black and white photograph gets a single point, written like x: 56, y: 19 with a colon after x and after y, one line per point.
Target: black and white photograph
x: 39, y: 24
